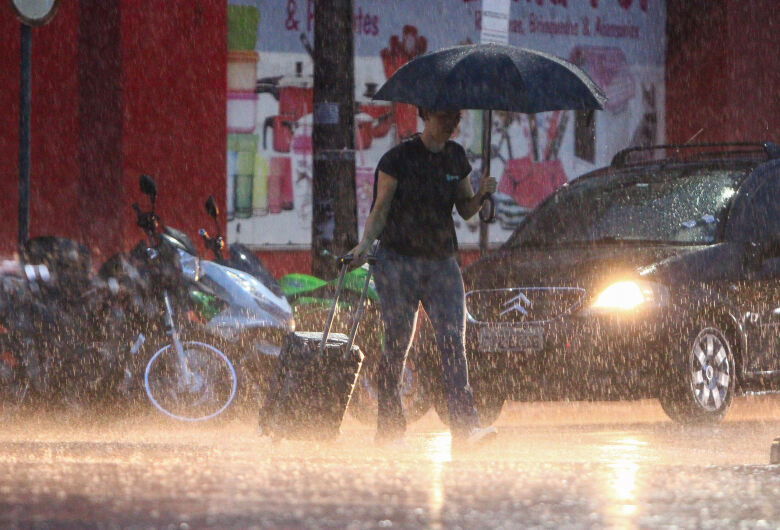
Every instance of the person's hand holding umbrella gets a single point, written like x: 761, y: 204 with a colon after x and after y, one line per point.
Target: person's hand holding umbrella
x: 487, y: 186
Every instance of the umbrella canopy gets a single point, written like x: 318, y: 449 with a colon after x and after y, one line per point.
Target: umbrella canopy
x: 492, y: 77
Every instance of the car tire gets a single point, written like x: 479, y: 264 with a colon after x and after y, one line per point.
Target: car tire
x: 704, y: 377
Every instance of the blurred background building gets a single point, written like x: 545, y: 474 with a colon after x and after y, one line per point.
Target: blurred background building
x: 214, y: 97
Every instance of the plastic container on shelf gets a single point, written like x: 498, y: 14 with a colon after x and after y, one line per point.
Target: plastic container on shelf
x: 242, y: 70
x: 260, y: 187
x: 232, y: 161
x: 279, y: 184
x: 244, y: 146
x: 242, y: 24
x: 241, y: 111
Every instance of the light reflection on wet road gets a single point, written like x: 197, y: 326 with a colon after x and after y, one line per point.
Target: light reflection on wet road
x: 554, y: 465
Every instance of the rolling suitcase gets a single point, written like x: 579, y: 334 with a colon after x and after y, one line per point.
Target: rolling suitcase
x: 315, y: 376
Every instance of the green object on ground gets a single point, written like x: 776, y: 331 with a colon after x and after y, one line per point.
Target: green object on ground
x: 296, y: 283
x: 206, y: 304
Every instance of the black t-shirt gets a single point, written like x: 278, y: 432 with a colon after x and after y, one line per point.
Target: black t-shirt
x: 419, y: 222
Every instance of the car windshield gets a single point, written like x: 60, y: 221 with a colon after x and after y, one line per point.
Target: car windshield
x: 675, y: 205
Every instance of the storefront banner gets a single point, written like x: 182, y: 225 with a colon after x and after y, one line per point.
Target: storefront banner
x: 619, y: 43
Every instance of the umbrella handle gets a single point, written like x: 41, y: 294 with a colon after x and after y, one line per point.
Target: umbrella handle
x: 488, y: 212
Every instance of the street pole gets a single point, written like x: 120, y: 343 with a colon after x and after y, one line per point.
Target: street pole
x: 24, y: 135
x: 30, y: 13
x: 487, y: 121
x: 334, y: 207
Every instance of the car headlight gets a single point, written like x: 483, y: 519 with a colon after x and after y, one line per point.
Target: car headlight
x: 630, y: 295
x: 190, y: 265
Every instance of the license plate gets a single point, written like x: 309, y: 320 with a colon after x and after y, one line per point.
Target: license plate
x: 498, y: 339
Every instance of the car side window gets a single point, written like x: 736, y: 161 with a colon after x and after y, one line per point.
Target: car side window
x: 764, y: 210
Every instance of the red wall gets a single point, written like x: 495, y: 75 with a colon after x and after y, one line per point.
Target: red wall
x: 174, y: 83
x: 723, y: 70
x: 118, y: 89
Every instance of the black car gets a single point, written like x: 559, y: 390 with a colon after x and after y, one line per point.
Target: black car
x: 653, y: 277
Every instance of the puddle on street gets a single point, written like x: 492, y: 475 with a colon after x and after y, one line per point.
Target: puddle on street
x: 616, y: 465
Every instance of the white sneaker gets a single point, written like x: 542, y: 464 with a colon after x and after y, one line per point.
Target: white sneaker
x: 477, y: 436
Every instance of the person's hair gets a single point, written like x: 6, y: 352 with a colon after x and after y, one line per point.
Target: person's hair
x: 421, y: 110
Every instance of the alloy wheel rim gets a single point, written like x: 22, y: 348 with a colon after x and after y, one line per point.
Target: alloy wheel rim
x: 710, y: 370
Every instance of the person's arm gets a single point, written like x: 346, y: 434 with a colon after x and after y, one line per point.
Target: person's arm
x: 467, y: 202
x: 385, y: 189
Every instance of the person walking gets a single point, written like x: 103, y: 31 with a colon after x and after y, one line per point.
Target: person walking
x: 416, y: 185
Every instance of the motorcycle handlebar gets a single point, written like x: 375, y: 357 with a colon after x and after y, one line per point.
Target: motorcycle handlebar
x: 148, y: 221
x: 215, y: 244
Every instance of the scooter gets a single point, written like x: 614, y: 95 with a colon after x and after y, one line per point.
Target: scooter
x: 57, y: 324
x: 242, y: 307
x: 188, y: 380
x: 253, y: 314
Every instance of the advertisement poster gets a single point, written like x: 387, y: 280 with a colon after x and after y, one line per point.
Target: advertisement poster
x: 619, y: 43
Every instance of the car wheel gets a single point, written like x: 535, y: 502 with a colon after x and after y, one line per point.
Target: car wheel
x: 704, y: 378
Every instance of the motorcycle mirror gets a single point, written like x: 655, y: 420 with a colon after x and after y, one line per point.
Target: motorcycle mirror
x: 148, y: 187
x: 211, y: 207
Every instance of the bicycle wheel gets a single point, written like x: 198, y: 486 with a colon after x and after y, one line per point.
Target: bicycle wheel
x: 208, y: 391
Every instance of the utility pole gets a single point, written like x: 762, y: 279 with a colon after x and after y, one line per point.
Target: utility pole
x: 334, y: 207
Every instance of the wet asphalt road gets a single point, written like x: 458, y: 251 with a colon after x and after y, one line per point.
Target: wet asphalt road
x: 554, y: 465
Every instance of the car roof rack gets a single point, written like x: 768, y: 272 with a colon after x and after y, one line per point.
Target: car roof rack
x: 645, y: 154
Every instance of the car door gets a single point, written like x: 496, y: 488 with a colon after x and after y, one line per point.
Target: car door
x: 762, y: 315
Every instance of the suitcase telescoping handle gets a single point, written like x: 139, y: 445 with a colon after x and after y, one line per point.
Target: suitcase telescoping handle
x: 344, y: 261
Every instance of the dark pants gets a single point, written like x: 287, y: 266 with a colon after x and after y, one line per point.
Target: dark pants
x: 402, y: 283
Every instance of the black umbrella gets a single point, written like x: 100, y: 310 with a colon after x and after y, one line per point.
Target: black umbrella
x: 492, y: 77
